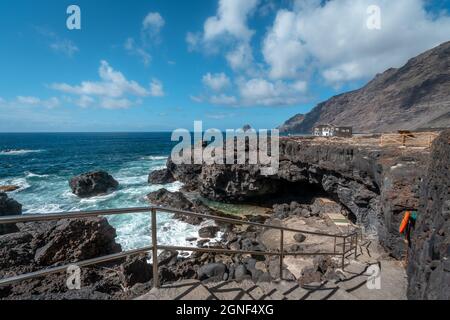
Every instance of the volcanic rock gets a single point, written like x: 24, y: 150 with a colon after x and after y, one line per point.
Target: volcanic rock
x: 8, y: 207
x: 93, y: 184
x: 429, y: 266
x: 163, y: 176
x: 208, y: 232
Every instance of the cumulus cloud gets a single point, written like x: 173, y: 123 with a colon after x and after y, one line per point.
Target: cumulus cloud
x: 150, y: 34
x: 156, y: 88
x: 223, y: 99
x: 109, y: 103
x: 111, y: 90
x: 132, y: 48
x: 30, y: 101
x: 151, y: 27
x: 56, y: 43
x: 334, y: 37
x: 153, y: 21
x: 216, y: 82
x: 241, y: 57
x: 66, y: 47
x: 216, y: 99
x: 113, y: 84
x: 228, y: 29
x: 260, y: 91
x: 219, y: 116
x: 230, y: 20
x: 84, y: 101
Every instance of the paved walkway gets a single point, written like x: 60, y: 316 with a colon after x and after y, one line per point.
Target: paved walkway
x: 351, y: 286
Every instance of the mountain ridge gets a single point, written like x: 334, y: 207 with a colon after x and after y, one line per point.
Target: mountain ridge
x: 414, y: 96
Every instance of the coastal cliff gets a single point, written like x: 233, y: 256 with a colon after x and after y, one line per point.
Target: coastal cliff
x: 376, y: 185
x: 371, y: 185
x: 429, y: 265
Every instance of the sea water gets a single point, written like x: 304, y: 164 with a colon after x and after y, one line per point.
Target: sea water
x: 42, y: 165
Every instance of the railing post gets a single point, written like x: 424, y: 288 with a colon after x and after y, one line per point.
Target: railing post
x: 343, y: 253
x: 155, y: 250
x: 281, y: 253
x: 334, y: 245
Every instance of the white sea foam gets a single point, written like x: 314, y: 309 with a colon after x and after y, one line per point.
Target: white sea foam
x: 99, y: 198
x: 46, y: 208
x: 155, y: 158
x: 51, y: 193
x: 29, y: 174
x: 20, y: 182
x: 18, y: 152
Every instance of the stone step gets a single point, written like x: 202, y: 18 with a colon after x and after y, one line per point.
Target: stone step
x: 180, y: 290
x: 320, y: 291
x: 355, y: 276
x: 271, y: 291
x: 232, y: 290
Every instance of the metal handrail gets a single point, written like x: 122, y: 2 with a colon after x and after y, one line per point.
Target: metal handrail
x: 155, y: 247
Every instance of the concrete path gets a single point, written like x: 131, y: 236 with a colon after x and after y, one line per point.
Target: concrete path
x: 358, y: 281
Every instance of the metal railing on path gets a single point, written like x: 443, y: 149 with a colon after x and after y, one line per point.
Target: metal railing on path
x: 350, y: 239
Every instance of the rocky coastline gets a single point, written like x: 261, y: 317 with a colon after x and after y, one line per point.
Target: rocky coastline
x: 369, y: 185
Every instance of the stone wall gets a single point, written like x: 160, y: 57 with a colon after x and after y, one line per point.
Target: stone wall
x: 429, y: 267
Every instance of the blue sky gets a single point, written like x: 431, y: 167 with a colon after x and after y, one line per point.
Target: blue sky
x: 159, y: 65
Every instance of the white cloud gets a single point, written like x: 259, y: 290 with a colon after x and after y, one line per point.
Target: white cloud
x: 150, y: 34
x: 156, y: 88
x: 151, y: 27
x: 109, y: 103
x: 34, y: 101
x: 112, y: 89
x: 84, y: 101
x: 241, y: 57
x: 57, y: 44
x: 133, y: 49
x: 153, y: 21
x: 333, y: 37
x: 260, y: 91
x: 227, y: 28
x: 28, y: 100
x: 223, y: 99
x: 198, y: 99
x: 113, y: 84
x: 216, y: 82
x: 65, y: 46
x: 231, y: 20
x: 193, y: 40
x: 219, y: 116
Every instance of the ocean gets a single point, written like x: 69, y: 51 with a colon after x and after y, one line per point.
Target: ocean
x: 41, y: 164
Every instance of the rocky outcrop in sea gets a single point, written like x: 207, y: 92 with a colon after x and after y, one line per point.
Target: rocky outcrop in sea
x: 8, y: 207
x: 93, y: 184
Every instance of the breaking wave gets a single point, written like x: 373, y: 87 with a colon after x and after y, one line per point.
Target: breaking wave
x: 17, y: 152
